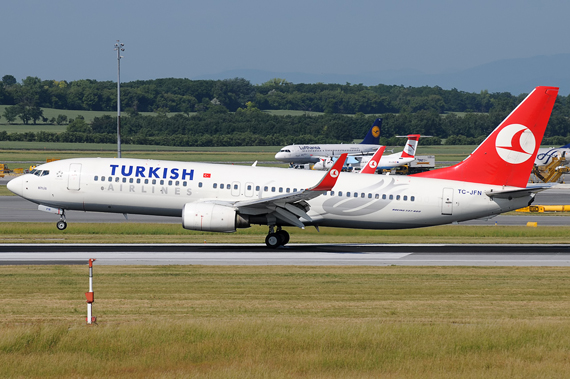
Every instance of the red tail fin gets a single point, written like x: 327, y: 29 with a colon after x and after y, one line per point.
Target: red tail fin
x: 370, y: 167
x: 507, y: 155
x: 411, y: 145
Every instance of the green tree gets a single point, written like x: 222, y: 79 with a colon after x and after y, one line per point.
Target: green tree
x: 10, y: 113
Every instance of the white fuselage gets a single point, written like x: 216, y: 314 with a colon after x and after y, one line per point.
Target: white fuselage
x: 387, y: 162
x: 163, y: 188
x: 301, y: 154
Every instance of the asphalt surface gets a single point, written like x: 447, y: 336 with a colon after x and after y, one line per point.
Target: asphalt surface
x: 294, y: 254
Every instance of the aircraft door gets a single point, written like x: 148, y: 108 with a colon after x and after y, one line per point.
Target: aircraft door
x: 236, y: 188
x: 447, y: 201
x: 249, y: 189
x: 74, y: 177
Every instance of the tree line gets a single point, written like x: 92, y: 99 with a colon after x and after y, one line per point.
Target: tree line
x: 230, y: 112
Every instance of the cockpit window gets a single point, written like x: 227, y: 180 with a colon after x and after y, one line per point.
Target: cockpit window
x: 38, y: 173
x: 33, y: 171
x: 45, y: 172
x: 284, y: 151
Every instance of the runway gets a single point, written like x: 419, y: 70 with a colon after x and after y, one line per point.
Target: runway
x: 294, y: 254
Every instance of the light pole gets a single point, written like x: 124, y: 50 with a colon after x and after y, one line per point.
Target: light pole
x: 118, y: 48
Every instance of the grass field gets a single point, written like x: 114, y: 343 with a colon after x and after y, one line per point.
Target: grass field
x: 286, y: 322
x: 130, y: 232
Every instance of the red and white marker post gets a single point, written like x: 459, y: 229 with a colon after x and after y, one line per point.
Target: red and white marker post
x: 90, y: 295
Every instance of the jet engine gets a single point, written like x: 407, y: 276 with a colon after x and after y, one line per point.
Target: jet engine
x: 209, y: 217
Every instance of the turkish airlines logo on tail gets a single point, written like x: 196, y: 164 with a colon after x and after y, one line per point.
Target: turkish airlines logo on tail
x: 334, y: 173
x: 515, y: 143
x: 372, y: 164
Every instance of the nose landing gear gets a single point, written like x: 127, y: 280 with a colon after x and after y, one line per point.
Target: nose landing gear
x: 276, y: 239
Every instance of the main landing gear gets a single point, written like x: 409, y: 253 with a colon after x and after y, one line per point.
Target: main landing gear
x: 276, y: 239
x: 62, y: 224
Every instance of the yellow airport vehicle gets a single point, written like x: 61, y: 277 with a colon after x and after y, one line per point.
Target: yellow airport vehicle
x: 551, y: 172
x: 545, y: 208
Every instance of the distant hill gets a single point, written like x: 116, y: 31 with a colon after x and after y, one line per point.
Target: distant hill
x: 516, y: 76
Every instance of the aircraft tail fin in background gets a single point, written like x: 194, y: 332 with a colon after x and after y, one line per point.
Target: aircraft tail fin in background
x: 507, y: 155
x: 372, y: 164
x: 373, y: 136
x: 411, y: 146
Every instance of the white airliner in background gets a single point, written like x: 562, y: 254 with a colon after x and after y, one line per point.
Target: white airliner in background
x: 301, y: 154
x: 222, y: 198
x: 386, y: 163
x: 545, y: 155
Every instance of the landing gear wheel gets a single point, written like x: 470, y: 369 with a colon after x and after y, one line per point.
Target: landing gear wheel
x: 61, y: 225
x: 284, y: 237
x: 273, y: 240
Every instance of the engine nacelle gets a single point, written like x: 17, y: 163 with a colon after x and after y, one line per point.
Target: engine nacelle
x: 208, y: 217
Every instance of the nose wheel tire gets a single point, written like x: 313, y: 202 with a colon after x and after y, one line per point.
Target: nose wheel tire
x: 61, y: 225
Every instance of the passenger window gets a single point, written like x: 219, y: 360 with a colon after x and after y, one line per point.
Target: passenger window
x: 249, y: 187
x: 384, y: 197
x: 412, y: 198
x: 161, y: 182
x: 397, y: 197
x: 146, y: 181
x: 272, y: 189
x: 370, y: 196
x: 391, y: 197
x: 102, y: 178
x: 215, y: 185
x: 356, y: 194
x: 131, y: 180
x: 154, y: 181
x: 200, y: 184
x: 348, y: 194
x: 362, y: 195
x: 228, y: 186
x: 184, y: 184
x: 221, y: 186
x: 177, y: 183
x: 339, y: 193
x: 257, y: 188
x: 405, y: 198
x: 117, y: 179
x: 280, y: 189
x: 138, y: 181
x: 124, y: 180
x: 109, y: 179
x: 332, y: 193
x: 288, y: 190
x: 96, y: 178
x: 266, y: 188
x: 170, y: 182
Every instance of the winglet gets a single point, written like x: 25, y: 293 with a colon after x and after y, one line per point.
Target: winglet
x: 329, y: 180
x: 372, y: 164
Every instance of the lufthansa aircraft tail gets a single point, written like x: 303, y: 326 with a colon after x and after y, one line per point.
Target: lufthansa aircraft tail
x: 506, y: 156
x: 373, y: 136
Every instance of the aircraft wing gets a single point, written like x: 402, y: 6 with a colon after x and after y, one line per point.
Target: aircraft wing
x: 289, y: 207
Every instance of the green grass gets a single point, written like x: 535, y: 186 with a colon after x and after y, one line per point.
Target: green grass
x: 130, y: 232
x: 286, y: 322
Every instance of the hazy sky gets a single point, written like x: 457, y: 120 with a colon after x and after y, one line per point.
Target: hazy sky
x: 73, y: 39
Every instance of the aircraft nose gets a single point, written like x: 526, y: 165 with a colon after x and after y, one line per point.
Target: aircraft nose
x: 15, y: 185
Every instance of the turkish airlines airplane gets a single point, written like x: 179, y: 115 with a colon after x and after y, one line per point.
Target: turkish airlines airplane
x: 408, y: 155
x: 301, y: 154
x: 223, y: 198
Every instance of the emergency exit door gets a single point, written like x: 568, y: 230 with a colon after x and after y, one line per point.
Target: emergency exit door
x: 447, y: 201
